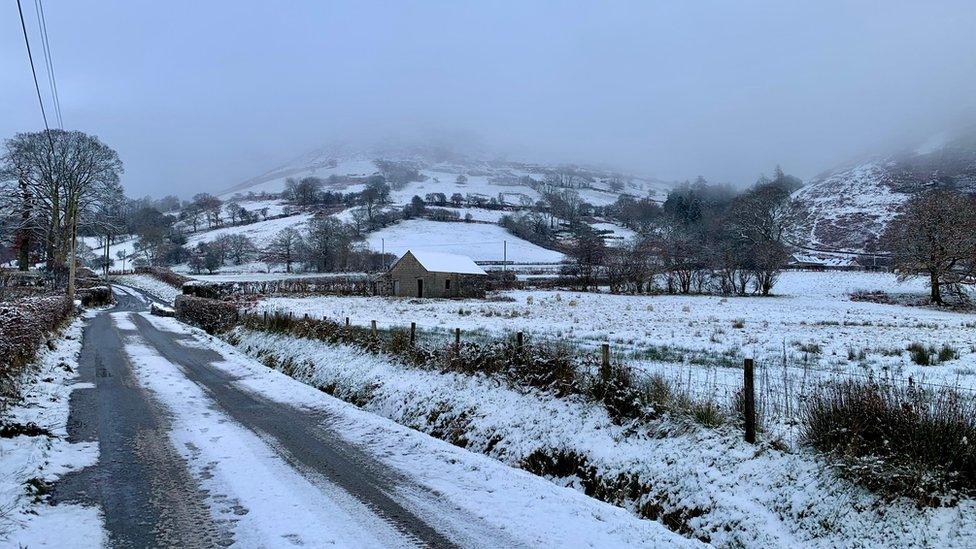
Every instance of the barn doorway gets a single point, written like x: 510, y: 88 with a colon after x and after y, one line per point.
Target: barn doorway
x: 420, y: 287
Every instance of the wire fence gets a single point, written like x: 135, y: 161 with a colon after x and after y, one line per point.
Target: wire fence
x: 782, y: 384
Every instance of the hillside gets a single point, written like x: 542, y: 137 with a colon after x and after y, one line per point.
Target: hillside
x: 849, y: 207
x: 345, y: 169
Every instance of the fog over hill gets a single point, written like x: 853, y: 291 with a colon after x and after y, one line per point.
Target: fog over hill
x: 848, y: 207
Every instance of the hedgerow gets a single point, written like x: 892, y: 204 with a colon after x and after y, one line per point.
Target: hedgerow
x: 24, y: 324
x: 554, y: 368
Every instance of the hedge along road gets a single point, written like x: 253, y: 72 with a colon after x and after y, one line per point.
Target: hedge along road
x: 147, y: 489
x: 201, y: 446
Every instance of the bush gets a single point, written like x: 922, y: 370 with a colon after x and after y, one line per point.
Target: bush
x: 920, y: 354
x: 23, y: 325
x: 211, y: 315
x: 897, y: 440
x: 96, y: 296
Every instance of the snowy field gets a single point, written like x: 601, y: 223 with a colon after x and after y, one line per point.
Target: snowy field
x: 479, y: 241
x: 809, y: 330
x: 260, y: 233
x: 127, y: 246
x: 736, y: 494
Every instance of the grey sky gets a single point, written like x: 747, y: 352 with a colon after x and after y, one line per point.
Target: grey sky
x: 199, y: 95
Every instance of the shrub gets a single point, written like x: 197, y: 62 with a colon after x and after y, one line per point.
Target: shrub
x: 920, y: 354
x: 947, y: 353
x: 96, y: 296
x: 211, y: 315
x: 899, y: 440
x: 23, y: 325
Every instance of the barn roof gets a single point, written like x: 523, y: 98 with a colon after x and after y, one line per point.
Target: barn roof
x: 439, y: 262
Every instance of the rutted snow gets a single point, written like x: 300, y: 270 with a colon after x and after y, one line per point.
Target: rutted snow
x: 236, y: 463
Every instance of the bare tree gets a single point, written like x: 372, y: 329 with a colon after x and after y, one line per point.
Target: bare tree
x: 935, y: 234
x: 760, y: 220
x: 67, y: 174
x: 283, y: 248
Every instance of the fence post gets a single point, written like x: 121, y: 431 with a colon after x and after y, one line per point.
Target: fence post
x: 457, y: 339
x: 373, y: 326
x: 749, y: 399
x: 519, y: 339
x: 265, y: 316
x: 347, y: 322
x: 413, y: 333
x: 605, y: 361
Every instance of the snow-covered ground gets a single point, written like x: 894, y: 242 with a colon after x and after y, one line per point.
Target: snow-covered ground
x: 126, y: 246
x: 478, y: 241
x: 274, y: 207
x: 149, y: 284
x: 23, y: 521
x: 617, y: 231
x: 709, y: 481
x: 284, y: 504
x: 260, y: 233
x: 809, y: 330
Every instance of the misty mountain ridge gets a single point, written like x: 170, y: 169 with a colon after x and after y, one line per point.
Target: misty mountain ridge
x: 439, y: 165
x: 849, y: 207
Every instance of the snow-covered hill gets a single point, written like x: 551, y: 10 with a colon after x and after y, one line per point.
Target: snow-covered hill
x: 439, y: 169
x: 849, y: 207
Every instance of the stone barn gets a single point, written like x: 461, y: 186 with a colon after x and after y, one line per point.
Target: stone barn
x: 433, y: 274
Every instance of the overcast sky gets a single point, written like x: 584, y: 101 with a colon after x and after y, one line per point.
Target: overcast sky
x: 200, y: 95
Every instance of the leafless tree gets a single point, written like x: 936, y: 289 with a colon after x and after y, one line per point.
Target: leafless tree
x: 67, y: 174
x: 935, y: 234
x: 284, y: 248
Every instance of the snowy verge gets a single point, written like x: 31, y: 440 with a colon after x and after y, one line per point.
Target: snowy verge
x: 151, y: 285
x: 705, y: 483
x: 25, y: 520
x: 531, y: 510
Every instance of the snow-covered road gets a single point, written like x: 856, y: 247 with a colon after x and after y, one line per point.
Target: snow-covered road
x: 201, y: 445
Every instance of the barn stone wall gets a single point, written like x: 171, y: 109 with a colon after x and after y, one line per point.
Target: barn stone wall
x: 401, y: 281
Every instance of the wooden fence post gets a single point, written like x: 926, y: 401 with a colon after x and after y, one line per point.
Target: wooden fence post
x: 373, y: 326
x: 519, y: 340
x: 605, y: 361
x: 347, y: 322
x: 457, y: 339
x: 265, y: 316
x: 749, y: 399
x: 413, y: 333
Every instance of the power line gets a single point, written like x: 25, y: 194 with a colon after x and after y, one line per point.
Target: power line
x: 49, y: 59
x: 33, y: 71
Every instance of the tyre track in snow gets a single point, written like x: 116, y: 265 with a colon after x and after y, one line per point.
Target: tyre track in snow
x: 147, y: 495
x: 297, y: 435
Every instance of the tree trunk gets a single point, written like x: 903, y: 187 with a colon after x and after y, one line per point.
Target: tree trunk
x: 936, y: 289
x: 73, y: 249
x: 24, y: 237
